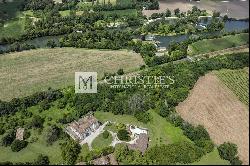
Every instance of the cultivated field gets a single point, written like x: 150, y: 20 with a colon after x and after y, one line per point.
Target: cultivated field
x: 210, y: 45
x: 26, y: 72
x: 233, y: 8
x: 226, y: 118
x: 237, y: 81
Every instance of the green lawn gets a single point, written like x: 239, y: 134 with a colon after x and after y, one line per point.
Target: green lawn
x: 210, y: 45
x: 99, y: 143
x: 212, y: 158
x: 12, y: 28
x: 160, y: 130
x: 237, y: 81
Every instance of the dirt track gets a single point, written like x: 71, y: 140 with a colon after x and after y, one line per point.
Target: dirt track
x: 233, y: 8
x: 213, y: 105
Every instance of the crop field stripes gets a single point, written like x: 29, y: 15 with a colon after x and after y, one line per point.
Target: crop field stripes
x: 237, y: 82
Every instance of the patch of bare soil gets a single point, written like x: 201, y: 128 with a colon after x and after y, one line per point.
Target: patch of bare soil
x: 214, y: 106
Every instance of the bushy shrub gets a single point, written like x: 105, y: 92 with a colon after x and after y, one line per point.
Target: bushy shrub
x: 52, y: 134
x: 206, y: 145
x: 18, y: 145
x: 123, y: 135
x: 236, y: 161
x: 120, y: 72
x: 42, y: 160
x: 8, y: 138
x: 228, y: 151
x: 105, y: 134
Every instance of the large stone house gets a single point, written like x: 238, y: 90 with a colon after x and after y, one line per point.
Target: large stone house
x: 82, y: 128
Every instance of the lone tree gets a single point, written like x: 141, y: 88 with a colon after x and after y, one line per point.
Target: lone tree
x: 228, y: 151
x: 42, y: 160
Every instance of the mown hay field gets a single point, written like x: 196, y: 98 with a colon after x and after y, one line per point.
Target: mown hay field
x: 26, y: 72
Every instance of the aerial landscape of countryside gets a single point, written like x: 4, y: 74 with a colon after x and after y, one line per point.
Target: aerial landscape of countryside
x: 124, y: 82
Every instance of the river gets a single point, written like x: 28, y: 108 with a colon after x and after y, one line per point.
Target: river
x: 230, y: 26
x: 164, y: 41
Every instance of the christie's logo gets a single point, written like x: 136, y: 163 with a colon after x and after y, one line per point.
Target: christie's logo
x: 85, y: 82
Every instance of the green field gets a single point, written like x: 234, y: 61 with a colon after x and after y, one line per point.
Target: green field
x: 212, y: 158
x: 210, y: 45
x: 13, y: 24
x: 30, y: 153
x: 237, y: 81
x: 40, y: 146
x: 36, y: 70
x: 12, y: 28
x: 160, y: 130
x: 14, y: 21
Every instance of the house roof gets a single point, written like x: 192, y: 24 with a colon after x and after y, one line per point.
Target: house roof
x: 112, y: 160
x: 104, y: 160
x: 141, y: 143
x: 82, y: 124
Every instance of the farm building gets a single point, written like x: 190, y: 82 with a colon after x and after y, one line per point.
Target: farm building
x: 82, y: 128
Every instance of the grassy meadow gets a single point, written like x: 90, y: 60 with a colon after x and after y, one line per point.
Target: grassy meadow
x: 12, y: 28
x: 212, y: 158
x: 26, y: 72
x: 237, y: 81
x: 210, y: 45
x: 37, y: 144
